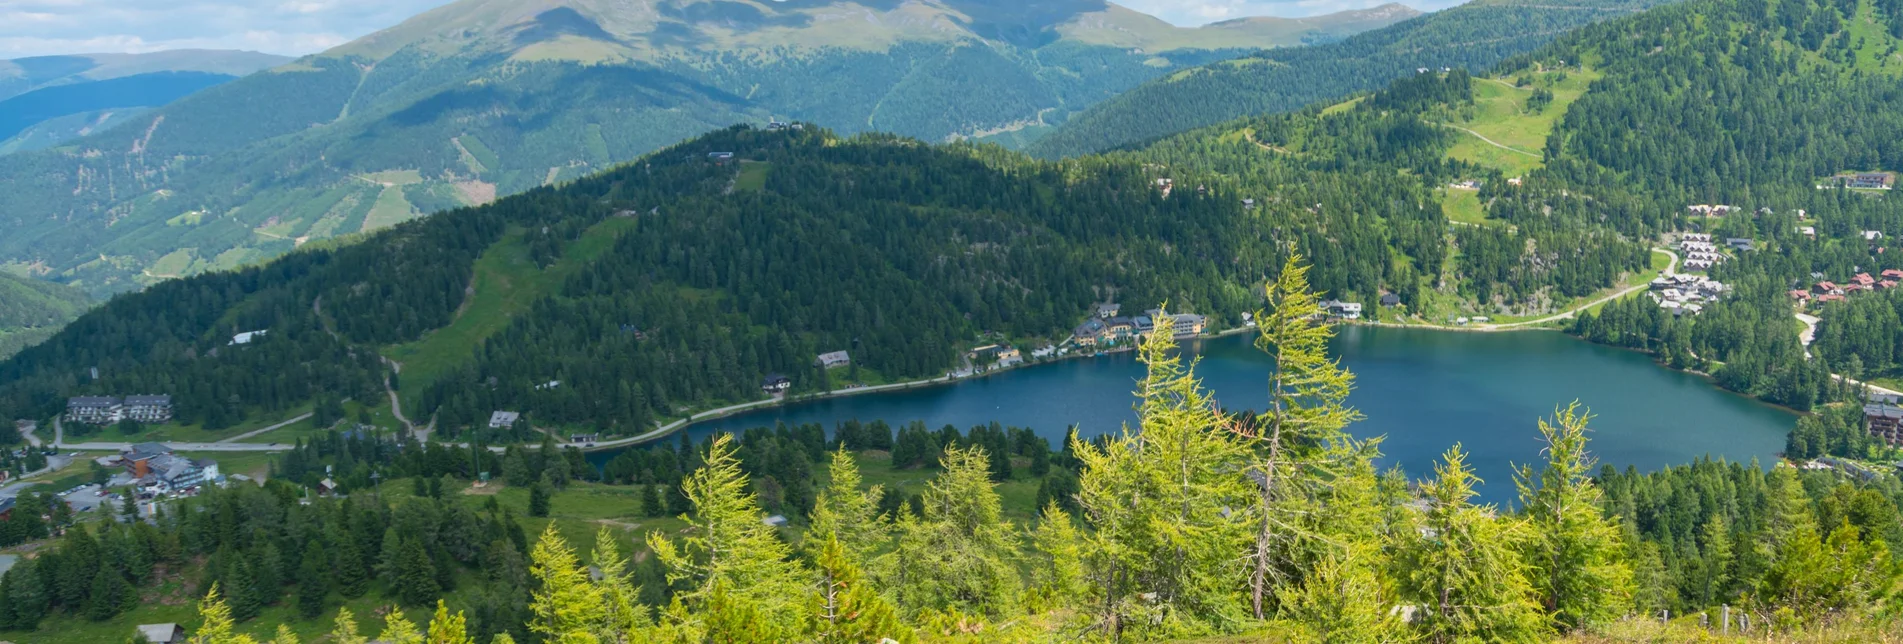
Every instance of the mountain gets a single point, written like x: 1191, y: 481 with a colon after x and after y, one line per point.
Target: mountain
x: 481, y: 98
x: 48, y: 99
x: 1473, y: 36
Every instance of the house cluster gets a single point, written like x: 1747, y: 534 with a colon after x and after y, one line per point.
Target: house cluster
x: 1884, y: 416
x: 1705, y: 210
x: 1686, y: 294
x: 155, y: 469
x: 1701, y: 253
x: 775, y: 126
x: 1109, y: 328
x: 1823, y: 290
x: 106, y: 410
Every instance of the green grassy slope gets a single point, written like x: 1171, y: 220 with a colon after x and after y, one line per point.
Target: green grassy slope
x: 1473, y: 36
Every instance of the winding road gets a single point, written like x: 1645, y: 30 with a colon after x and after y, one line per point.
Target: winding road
x: 1670, y: 270
x: 1496, y: 144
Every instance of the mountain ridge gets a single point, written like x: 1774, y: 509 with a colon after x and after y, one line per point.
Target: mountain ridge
x: 482, y: 98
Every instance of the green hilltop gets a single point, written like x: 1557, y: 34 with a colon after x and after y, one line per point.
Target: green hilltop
x: 1474, y: 36
x: 482, y: 98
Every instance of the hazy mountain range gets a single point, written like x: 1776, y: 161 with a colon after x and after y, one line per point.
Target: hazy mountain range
x: 481, y: 98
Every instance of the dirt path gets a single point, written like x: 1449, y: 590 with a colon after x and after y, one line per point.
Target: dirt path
x: 1494, y: 143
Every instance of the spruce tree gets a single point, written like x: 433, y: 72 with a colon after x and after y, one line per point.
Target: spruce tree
x: 352, y: 574
x: 651, y: 505
x: 313, y: 580
x: 415, y: 582
x: 538, y: 499
x: 110, y: 593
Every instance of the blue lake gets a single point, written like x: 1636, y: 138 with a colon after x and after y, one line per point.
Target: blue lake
x: 1423, y: 390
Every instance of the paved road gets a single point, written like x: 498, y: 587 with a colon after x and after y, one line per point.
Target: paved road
x: 53, y: 463
x: 255, y: 432
x: 1670, y: 270
x: 669, y: 428
x: 59, y: 433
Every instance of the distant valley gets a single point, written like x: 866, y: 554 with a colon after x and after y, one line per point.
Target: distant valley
x: 47, y: 100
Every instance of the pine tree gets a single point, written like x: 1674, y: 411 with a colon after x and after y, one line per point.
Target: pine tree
x: 352, y: 574
x: 651, y: 505
x: 847, y: 608
x: 1575, y: 555
x: 415, y: 579
x: 1308, y: 391
x: 538, y: 499
x: 1466, y: 569
x: 732, y: 550
x: 313, y: 580
x: 566, y: 607
x: 110, y: 594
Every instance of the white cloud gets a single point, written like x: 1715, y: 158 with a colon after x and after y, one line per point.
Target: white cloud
x: 1191, y: 13
x: 289, y: 27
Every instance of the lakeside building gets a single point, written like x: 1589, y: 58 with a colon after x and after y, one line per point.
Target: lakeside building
x: 247, y: 337
x: 1001, y: 355
x: 1686, y: 294
x: 832, y: 359
x: 1342, y: 310
x: 775, y: 384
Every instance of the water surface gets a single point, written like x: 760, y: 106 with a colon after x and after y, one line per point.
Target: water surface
x: 1423, y: 390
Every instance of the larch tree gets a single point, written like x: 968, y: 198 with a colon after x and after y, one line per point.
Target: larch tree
x: 846, y: 608
x: 1056, y: 561
x: 398, y: 629
x: 1306, y: 416
x: 566, y: 607
x: 1575, y: 553
x: 1171, y: 507
x: 1465, y: 567
x: 445, y: 628
x: 215, y: 622
x: 625, y: 614
x: 958, y: 555
x: 848, y: 512
x: 1345, y: 593
x: 731, y: 549
x: 344, y: 629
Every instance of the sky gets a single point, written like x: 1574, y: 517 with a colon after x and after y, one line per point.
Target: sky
x: 297, y: 27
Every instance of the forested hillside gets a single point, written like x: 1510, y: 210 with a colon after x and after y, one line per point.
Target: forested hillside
x: 477, y: 99
x: 1195, y: 524
x: 1474, y: 37
x: 31, y: 310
